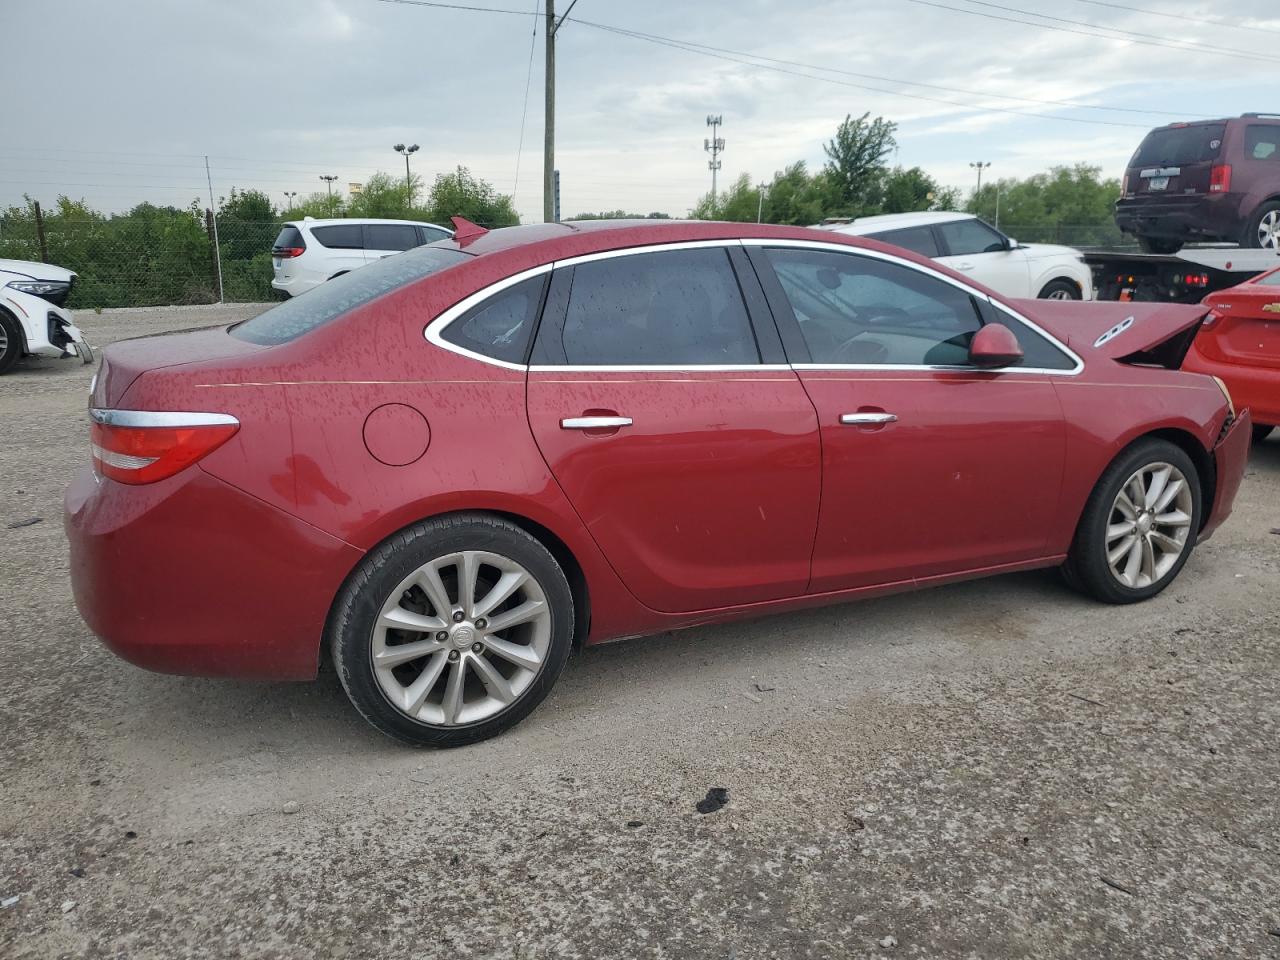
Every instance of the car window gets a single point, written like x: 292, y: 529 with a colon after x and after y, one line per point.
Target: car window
x: 967, y: 237
x: 1262, y: 141
x: 343, y: 236
x: 290, y: 238
x: 500, y: 327
x: 432, y: 234
x: 670, y: 308
x: 390, y: 236
x: 861, y: 310
x: 1198, y: 143
x: 302, y: 314
x: 1038, y: 351
x: 916, y: 239
x: 1271, y: 279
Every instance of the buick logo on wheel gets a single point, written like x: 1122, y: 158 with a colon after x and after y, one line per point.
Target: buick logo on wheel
x: 463, y: 637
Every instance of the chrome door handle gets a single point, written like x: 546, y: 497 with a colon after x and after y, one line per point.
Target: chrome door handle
x: 594, y: 423
x: 866, y: 418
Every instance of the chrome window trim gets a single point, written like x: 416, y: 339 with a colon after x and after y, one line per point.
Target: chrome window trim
x: 436, y: 327
x: 156, y: 418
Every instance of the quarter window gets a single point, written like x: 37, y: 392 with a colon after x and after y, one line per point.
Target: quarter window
x: 860, y: 310
x: 1262, y: 142
x: 342, y: 236
x: 1038, y: 351
x: 669, y: 308
x: 500, y: 327
x: 432, y: 234
x: 916, y: 239
x: 965, y: 238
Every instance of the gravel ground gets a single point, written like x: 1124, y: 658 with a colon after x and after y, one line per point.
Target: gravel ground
x: 994, y: 769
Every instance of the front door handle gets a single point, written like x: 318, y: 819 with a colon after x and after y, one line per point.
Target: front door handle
x: 594, y: 423
x: 864, y: 419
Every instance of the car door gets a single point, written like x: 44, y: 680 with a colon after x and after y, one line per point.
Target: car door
x: 930, y: 467
x: 669, y: 418
x: 978, y: 251
x: 385, y: 239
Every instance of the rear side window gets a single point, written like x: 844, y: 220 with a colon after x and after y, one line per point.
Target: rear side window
x: 670, y: 308
x: 432, y: 234
x: 916, y: 239
x: 290, y: 238
x: 1195, y: 144
x: 343, y: 236
x: 335, y: 297
x: 967, y: 237
x: 390, y: 236
x: 1262, y: 142
x: 500, y: 327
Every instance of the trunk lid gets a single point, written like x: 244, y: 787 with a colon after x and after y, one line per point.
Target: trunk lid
x: 1176, y: 160
x: 124, y: 361
x: 1246, y: 328
x: 1137, y: 332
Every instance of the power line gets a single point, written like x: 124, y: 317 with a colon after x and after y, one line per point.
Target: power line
x: 524, y: 108
x: 1181, y: 17
x: 1129, y: 37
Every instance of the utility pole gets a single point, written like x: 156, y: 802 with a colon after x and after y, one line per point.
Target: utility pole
x: 550, y: 179
x: 408, y: 184
x: 760, y: 189
x: 213, y: 215
x: 714, y: 146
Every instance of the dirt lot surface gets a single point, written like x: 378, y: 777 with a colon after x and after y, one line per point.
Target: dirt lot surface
x: 995, y: 769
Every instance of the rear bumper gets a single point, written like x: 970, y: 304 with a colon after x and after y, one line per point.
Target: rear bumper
x: 1215, y: 216
x: 1230, y: 456
x: 193, y: 576
x: 1256, y: 388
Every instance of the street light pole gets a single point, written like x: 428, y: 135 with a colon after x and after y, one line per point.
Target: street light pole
x: 980, y: 166
x: 289, y: 195
x: 408, y: 184
x: 760, y: 188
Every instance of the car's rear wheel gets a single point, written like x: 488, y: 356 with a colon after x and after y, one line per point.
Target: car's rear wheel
x: 1261, y: 431
x: 1263, y: 229
x: 1139, y: 525
x: 1164, y: 245
x: 10, y: 342
x: 453, y: 630
x: 1060, y: 290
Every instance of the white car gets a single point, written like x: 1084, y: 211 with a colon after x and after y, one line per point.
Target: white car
x: 972, y: 246
x: 32, y: 319
x: 308, y: 252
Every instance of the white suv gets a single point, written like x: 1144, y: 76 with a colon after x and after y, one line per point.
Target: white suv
x: 309, y: 252
x: 972, y: 246
x: 33, y: 322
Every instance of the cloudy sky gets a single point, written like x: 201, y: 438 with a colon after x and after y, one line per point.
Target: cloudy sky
x: 120, y: 102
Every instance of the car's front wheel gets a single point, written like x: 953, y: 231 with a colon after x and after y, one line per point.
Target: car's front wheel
x: 1060, y: 289
x: 1139, y: 525
x: 453, y: 630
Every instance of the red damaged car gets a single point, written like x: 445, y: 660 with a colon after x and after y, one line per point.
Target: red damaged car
x: 451, y: 466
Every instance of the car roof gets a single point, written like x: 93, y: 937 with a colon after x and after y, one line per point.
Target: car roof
x: 896, y: 221
x: 334, y: 221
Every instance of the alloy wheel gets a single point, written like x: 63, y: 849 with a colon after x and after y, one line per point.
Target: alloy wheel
x: 1060, y: 295
x: 1149, y: 524
x: 461, y: 638
x: 1269, y: 231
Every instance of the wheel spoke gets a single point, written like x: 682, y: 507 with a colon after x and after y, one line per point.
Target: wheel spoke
x: 1120, y: 550
x: 428, y: 579
x: 527, y: 611
x: 468, y: 570
x: 493, y: 681
x: 1171, y: 491
x: 398, y: 618
x: 1175, y: 518
x: 507, y: 584
x: 394, y: 656
x: 1159, y: 480
x: 517, y: 653
x: 1125, y: 506
x: 1133, y: 563
x: 453, y: 690
x: 1166, y: 543
x: 1148, y: 560
x: 1118, y: 530
x: 415, y: 695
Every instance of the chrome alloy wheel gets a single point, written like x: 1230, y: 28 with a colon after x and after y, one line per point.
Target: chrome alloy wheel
x: 1269, y: 231
x: 461, y: 638
x: 1149, y: 525
x: 1060, y: 295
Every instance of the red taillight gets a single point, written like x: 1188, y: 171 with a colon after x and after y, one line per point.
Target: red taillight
x: 1220, y: 178
x: 140, y: 446
x: 284, y: 253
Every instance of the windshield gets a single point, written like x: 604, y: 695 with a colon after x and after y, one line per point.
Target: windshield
x: 1195, y: 144
x: 332, y: 299
x: 1271, y: 279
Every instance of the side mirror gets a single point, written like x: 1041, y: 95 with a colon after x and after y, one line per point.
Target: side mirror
x: 1010, y: 243
x: 994, y: 346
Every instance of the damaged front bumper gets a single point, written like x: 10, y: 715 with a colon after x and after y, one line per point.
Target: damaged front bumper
x: 1230, y: 455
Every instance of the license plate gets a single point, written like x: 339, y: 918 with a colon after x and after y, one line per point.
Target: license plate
x: 1158, y: 183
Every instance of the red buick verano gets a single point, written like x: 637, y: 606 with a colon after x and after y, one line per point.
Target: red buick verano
x: 453, y: 465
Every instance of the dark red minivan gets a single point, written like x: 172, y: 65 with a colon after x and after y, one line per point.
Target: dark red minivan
x: 1209, y: 180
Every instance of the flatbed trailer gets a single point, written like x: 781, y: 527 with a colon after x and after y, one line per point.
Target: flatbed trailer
x: 1184, y: 277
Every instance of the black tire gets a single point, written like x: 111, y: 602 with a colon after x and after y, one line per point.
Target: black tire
x: 11, y: 352
x: 1254, y: 224
x: 1066, y: 290
x: 1160, y: 244
x: 1261, y: 431
x: 1086, y: 568
x: 350, y: 630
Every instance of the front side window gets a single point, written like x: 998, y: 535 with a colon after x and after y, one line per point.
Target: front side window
x: 390, y: 236
x: 916, y: 239
x: 1262, y: 141
x: 500, y: 327
x: 670, y: 308
x: 342, y: 236
x: 965, y: 238
x: 860, y: 310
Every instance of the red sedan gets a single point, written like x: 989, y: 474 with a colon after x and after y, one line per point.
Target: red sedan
x: 452, y: 466
x: 1240, y: 342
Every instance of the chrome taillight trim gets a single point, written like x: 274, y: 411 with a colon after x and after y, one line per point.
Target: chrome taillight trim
x: 156, y: 418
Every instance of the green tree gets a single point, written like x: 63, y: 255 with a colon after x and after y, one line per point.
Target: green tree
x: 1072, y: 205
x: 383, y: 196
x: 912, y: 190
x: 461, y: 194
x: 619, y: 215
x: 856, y: 161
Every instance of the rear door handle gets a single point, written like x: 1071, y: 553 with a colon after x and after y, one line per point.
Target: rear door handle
x: 868, y: 418
x: 594, y: 423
